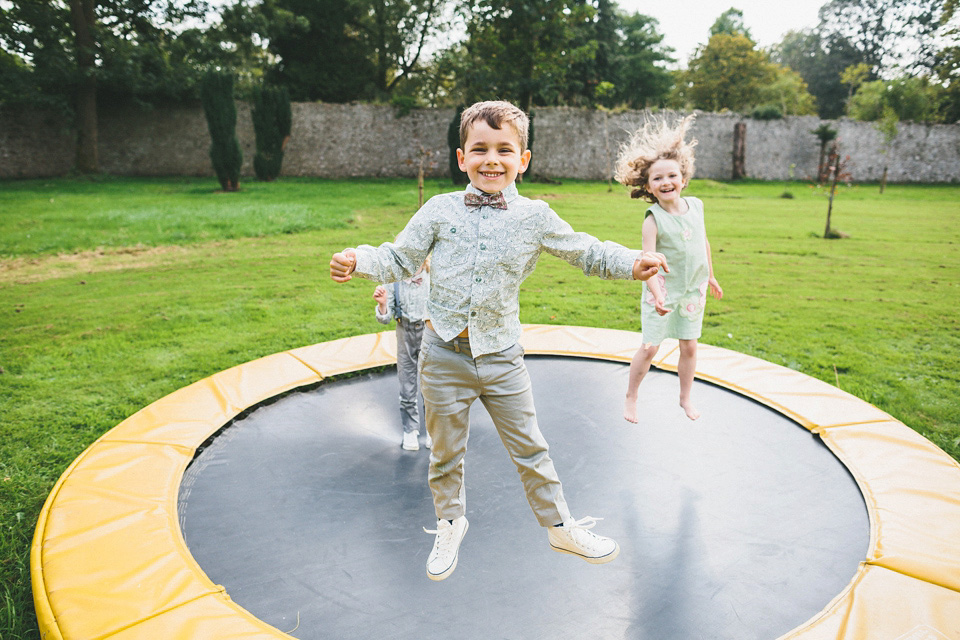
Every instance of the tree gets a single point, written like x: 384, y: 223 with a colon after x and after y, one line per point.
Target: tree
x: 394, y: 34
x: 947, y: 64
x: 272, y: 120
x: 522, y: 50
x: 788, y: 92
x: 825, y: 134
x: 70, y: 55
x: 83, y: 19
x: 906, y: 97
x: 638, y: 68
x: 730, y: 23
x: 620, y: 60
x: 887, y: 33
x: 221, y: 111
x: 837, y: 170
x: 727, y: 73
x: 819, y: 59
x: 854, y: 76
x: 323, y: 56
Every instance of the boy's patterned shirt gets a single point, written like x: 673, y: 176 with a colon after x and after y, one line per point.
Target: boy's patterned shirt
x: 480, y: 257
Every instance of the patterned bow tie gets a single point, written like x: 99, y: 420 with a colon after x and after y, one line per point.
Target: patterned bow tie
x: 495, y: 200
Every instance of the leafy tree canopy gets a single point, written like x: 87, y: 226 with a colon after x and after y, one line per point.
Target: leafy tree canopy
x: 136, y: 53
x: 787, y: 91
x: 727, y: 73
x: 906, y: 98
x: 730, y: 23
x: 820, y: 60
x: 889, y: 34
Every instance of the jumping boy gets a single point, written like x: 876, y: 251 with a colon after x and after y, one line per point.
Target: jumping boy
x: 485, y: 241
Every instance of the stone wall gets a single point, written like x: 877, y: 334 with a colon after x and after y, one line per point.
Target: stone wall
x: 358, y: 140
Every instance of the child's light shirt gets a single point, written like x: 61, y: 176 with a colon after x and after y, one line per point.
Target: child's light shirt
x: 413, y: 299
x: 480, y: 257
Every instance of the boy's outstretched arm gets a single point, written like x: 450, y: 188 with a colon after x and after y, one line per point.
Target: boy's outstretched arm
x: 649, y: 265
x: 342, y: 265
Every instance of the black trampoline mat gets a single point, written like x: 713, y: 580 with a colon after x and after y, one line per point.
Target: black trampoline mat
x: 739, y: 525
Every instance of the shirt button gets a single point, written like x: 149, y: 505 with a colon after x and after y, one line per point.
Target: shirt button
x: 483, y: 247
x: 478, y: 279
x: 473, y: 313
x: 484, y: 216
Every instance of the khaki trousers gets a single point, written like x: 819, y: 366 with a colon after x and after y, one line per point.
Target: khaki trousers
x: 451, y: 379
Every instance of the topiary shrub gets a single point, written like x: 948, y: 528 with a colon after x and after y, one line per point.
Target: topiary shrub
x: 216, y: 94
x: 272, y: 119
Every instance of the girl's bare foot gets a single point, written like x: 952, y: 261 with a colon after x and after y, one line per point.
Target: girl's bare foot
x: 630, y: 410
x: 689, y: 409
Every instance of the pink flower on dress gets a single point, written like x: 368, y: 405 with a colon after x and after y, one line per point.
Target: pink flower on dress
x: 663, y: 287
x: 687, y: 234
x: 690, y: 306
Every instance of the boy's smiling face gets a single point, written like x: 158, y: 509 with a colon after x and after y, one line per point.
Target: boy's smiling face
x: 492, y: 158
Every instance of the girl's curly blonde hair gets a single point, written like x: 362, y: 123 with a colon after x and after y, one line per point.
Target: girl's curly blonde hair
x: 656, y: 140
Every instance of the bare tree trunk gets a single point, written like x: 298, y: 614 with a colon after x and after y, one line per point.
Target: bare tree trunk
x: 834, y: 170
x: 883, y: 180
x: 821, y: 173
x: 380, y: 37
x: 739, y: 150
x: 82, y: 16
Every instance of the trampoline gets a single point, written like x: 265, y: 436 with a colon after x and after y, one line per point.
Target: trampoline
x: 267, y: 501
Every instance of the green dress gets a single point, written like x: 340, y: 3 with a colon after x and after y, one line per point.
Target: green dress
x: 683, y: 240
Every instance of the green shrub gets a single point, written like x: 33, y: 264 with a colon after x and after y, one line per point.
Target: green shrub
x: 767, y: 112
x: 216, y: 94
x: 272, y: 119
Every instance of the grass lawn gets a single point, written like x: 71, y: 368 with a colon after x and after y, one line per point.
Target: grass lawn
x: 116, y: 292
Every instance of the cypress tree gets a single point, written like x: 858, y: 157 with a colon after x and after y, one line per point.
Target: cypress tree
x: 453, y: 141
x: 216, y: 94
x: 272, y: 120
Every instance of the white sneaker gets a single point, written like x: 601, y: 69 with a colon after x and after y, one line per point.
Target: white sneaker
x: 410, y: 441
x: 429, y: 442
x: 574, y: 538
x: 446, y: 547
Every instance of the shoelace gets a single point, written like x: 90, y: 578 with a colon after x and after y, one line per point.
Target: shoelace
x: 583, y: 523
x: 444, y: 535
x: 579, y: 530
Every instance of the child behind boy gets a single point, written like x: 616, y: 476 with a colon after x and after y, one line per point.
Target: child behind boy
x: 485, y: 241
x: 406, y: 302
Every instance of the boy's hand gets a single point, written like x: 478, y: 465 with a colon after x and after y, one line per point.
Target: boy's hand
x: 715, y: 289
x: 342, y: 265
x: 380, y: 295
x: 649, y: 265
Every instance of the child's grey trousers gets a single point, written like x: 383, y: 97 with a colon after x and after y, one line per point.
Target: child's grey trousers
x: 408, y: 352
x: 450, y: 380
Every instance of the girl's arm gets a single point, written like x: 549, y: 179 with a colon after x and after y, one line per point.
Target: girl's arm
x: 649, y: 231
x: 715, y: 290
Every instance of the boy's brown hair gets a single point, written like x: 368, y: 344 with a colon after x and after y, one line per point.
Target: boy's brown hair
x: 657, y: 139
x: 496, y: 113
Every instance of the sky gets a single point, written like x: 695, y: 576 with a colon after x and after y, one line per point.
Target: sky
x: 686, y: 23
